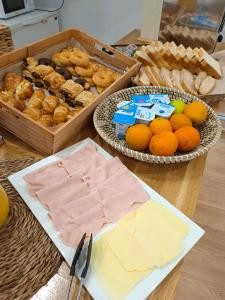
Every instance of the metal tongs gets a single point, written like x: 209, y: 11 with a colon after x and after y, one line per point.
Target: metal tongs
x: 73, y: 266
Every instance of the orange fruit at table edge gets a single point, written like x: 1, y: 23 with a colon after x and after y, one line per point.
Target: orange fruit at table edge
x: 138, y: 137
x: 188, y: 138
x: 179, y: 120
x: 160, y: 124
x: 163, y: 144
x: 196, y: 111
x: 4, y: 206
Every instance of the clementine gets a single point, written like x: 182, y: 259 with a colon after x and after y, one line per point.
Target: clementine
x: 188, y: 138
x: 180, y: 120
x: 164, y: 143
x: 196, y: 111
x: 160, y: 124
x: 138, y: 137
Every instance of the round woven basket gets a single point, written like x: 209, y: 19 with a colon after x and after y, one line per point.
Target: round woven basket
x: 210, y: 131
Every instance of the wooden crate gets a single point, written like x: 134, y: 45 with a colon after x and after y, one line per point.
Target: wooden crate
x: 38, y: 136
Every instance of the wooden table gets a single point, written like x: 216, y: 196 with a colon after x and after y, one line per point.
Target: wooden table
x: 178, y: 183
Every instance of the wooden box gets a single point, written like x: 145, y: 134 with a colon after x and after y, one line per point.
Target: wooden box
x: 44, y: 139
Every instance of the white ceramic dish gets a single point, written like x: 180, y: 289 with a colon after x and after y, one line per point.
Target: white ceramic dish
x: 144, y: 287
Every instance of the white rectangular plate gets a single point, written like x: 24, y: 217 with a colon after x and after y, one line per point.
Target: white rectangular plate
x: 144, y: 287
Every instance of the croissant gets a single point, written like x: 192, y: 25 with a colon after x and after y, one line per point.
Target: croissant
x: 37, y: 99
x: 71, y: 88
x: 24, y: 90
x: 6, y: 96
x: 11, y: 81
x: 60, y: 114
x: 54, y: 80
x: 49, y: 104
x: 46, y: 120
x: 33, y: 113
x: 73, y: 113
x: 17, y: 103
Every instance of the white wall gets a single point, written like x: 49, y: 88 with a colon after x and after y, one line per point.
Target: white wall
x: 108, y: 20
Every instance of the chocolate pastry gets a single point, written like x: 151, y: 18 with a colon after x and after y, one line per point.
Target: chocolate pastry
x: 69, y: 101
x: 83, y: 82
x: 39, y: 83
x: 27, y: 75
x: 65, y: 73
x: 47, y: 62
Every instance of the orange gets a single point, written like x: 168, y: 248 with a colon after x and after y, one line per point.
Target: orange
x: 159, y: 124
x: 179, y: 120
x: 164, y: 143
x: 196, y: 111
x: 138, y: 137
x: 4, y: 206
x: 188, y: 138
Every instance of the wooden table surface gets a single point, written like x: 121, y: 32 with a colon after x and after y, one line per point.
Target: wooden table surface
x: 178, y: 183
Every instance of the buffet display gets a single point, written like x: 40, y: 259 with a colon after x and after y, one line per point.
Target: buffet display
x: 191, y: 70
x: 49, y: 89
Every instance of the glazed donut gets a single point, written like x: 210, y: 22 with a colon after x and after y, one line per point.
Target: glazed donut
x: 85, y: 72
x: 102, y: 79
x: 47, y: 62
x: 79, y: 58
x: 64, y: 57
x: 65, y: 73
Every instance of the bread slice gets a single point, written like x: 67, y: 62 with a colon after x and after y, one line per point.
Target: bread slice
x: 151, y: 77
x: 199, y: 78
x: 157, y: 74
x: 207, y: 85
x: 141, y: 56
x: 176, y: 79
x: 187, y: 81
x: 166, y: 77
x: 143, y: 78
x: 209, y: 64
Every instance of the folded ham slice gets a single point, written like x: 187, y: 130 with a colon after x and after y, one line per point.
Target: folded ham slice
x: 81, y: 161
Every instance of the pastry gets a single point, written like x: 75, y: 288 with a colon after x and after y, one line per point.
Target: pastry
x: 41, y: 71
x: 54, y: 80
x: 24, y: 90
x: 6, y: 96
x: 37, y: 98
x: 39, y: 83
x: 46, y: 120
x: 83, y: 82
x: 17, y: 103
x: 73, y: 113
x: 33, y: 113
x: 64, y: 57
x: 96, y: 66
x: 28, y: 76
x: 102, y: 79
x: 79, y: 57
x: 207, y: 85
x: 84, y: 71
x: 71, y: 89
x: 47, y: 62
x: 71, y: 69
x: 85, y: 98
x: 56, y: 59
x: 49, y: 104
x: 65, y: 73
x: 60, y: 114
x: 100, y: 89
x: 11, y: 81
x: 30, y: 63
x: 199, y: 78
x: 89, y: 81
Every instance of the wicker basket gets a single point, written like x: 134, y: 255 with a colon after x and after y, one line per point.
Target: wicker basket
x: 6, y: 43
x: 210, y: 131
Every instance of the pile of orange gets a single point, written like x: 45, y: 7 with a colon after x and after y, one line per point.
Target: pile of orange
x: 164, y: 137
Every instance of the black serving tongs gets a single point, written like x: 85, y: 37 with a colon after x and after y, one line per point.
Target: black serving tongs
x: 73, y: 266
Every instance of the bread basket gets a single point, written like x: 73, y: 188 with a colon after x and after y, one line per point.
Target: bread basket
x: 210, y: 131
